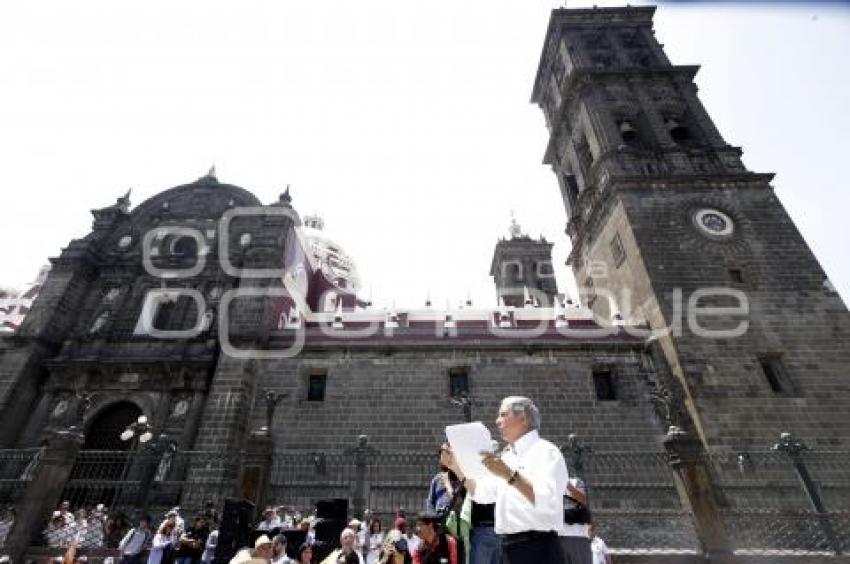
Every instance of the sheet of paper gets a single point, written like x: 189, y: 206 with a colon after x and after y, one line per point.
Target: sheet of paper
x: 468, y: 440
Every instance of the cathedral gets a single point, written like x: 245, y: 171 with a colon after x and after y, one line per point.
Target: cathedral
x: 235, y: 327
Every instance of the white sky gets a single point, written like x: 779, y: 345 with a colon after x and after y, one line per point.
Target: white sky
x: 407, y: 125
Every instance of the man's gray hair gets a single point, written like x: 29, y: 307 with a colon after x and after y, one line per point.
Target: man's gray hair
x: 520, y: 405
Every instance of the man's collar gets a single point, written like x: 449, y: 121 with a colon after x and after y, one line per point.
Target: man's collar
x: 522, y: 444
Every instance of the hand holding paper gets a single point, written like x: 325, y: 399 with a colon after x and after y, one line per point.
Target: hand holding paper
x: 468, y: 441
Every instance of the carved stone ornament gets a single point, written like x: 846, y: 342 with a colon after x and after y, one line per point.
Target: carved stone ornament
x: 110, y: 295
x: 60, y: 408
x: 99, y: 322
x: 180, y: 408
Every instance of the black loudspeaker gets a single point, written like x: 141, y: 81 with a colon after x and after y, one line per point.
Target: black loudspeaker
x: 336, y: 509
x: 235, y: 529
x: 294, y: 539
x: 327, y: 536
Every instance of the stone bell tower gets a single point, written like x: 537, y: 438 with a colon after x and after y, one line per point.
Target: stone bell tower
x: 668, y: 224
x: 522, y: 270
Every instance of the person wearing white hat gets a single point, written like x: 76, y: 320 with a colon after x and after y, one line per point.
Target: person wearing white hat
x: 263, y: 550
x: 271, y: 520
x: 346, y: 553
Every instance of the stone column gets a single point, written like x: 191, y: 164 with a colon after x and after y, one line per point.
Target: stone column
x: 43, y: 494
x: 685, y: 455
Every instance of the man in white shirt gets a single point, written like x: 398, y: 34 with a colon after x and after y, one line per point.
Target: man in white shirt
x: 135, y: 542
x: 270, y: 520
x: 526, y: 483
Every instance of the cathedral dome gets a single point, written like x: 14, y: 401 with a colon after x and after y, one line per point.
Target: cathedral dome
x: 327, y: 256
x: 204, y: 198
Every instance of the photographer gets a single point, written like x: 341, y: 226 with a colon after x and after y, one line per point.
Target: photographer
x: 191, y: 544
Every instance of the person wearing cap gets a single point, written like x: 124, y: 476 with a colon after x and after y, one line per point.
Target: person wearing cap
x: 527, y: 483
x: 243, y: 556
x: 270, y: 520
x: 279, y: 551
x: 263, y: 550
x: 359, y: 544
x: 179, y: 523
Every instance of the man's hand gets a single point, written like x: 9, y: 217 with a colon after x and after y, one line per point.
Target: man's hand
x: 495, y: 465
x: 447, y: 459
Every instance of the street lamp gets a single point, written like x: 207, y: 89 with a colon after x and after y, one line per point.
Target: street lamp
x: 140, y: 429
x: 139, y: 432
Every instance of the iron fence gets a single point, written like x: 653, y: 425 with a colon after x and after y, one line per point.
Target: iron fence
x: 108, y: 490
x: 389, y: 481
x: 765, y: 506
x: 634, y: 501
x: 400, y: 481
x: 776, y: 503
x: 299, y: 479
x: 18, y: 468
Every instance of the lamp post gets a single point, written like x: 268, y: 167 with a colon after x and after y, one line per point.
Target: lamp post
x: 137, y: 432
x: 465, y: 402
x: 153, y: 459
x: 576, y: 451
x: 272, y: 399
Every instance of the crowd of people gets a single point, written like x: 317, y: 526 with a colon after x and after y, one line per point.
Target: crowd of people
x: 168, y: 541
x: 524, y: 510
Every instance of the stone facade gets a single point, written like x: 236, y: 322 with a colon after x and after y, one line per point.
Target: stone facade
x: 665, y: 219
x: 155, y: 312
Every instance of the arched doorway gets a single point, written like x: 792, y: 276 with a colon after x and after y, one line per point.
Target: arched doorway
x: 104, y: 430
x: 102, y: 466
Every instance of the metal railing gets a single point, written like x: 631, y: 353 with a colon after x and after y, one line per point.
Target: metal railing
x: 633, y: 500
x: 130, y: 484
x: 777, y: 503
x: 766, y: 505
x: 17, y: 470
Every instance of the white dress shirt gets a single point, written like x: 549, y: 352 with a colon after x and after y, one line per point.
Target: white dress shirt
x: 134, y: 542
x: 542, y: 464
